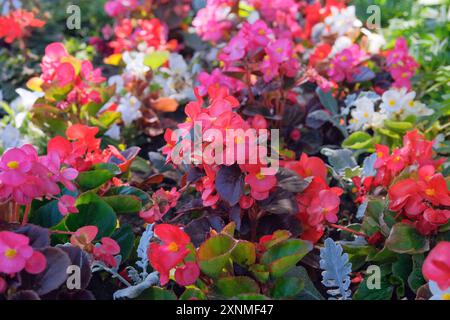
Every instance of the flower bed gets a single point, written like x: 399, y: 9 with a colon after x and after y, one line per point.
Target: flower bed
x: 225, y: 149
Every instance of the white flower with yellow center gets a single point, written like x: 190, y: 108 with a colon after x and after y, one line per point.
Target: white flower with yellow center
x: 129, y: 107
x: 392, y: 101
x: 362, y: 114
x: 135, y: 64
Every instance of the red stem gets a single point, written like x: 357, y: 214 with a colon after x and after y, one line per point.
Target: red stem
x: 25, y: 214
x: 61, y: 232
x: 348, y: 230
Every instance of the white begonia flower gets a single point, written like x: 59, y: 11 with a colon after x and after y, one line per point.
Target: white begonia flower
x: 375, y: 41
x: 135, y: 64
x: 10, y: 137
x: 437, y: 293
x: 118, y: 81
x: 362, y: 114
x: 341, y: 21
x: 392, y: 100
x: 340, y: 44
x: 113, y: 132
x: 28, y: 98
x: 417, y: 108
x: 378, y: 120
x: 177, y: 82
x: 129, y: 108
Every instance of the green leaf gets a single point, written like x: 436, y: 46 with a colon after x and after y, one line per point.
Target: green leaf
x: 229, y: 287
x: 124, y: 237
x: 384, y: 293
x: 124, y: 204
x: 156, y: 59
x: 244, y: 253
x: 127, y: 190
x: 404, y: 238
x: 93, y: 211
x: 415, y: 279
x: 260, y: 272
x: 157, y: 293
x: 327, y: 100
x: 359, y: 140
x: 214, y: 254
x: 309, y: 291
x: 283, y: 256
x: 100, y: 174
x: 286, y: 287
x: 47, y: 215
x: 397, y: 126
x: 193, y: 293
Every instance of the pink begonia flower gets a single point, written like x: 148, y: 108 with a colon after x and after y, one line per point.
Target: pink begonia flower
x: 54, y: 52
x: 106, y: 251
x: 187, y: 274
x: 14, y: 165
x: 280, y: 50
x: 66, y: 204
x: 324, y: 207
x: 16, y: 254
x: 163, y: 201
x: 345, y: 64
x: 211, y: 22
x: 83, y: 237
x: 401, y: 65
x: 217, y: 78
x: 235, y: 49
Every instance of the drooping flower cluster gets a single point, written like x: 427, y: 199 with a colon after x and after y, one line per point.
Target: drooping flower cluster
x: 173, y: 253
x: 422, y: 196
x: 18, y: 24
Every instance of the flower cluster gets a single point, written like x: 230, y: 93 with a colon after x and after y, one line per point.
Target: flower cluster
x: 162, y: 202
x: 18, y: 24
x: 25, y: 176
x: 103, y: 251
x: 131, y: 34
x: 345, y: 65
x: 256, y: 44
x: 401, y: 65
x: 318, y: 203
x: 422, y: 195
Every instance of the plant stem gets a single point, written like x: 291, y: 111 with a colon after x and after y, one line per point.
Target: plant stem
x: 25, y: 214
x: 348, y: 230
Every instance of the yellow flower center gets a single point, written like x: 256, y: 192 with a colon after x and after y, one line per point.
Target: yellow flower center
x: 259, y: 176
x: 366, y: 114
x: 446, y: 296
x: 173, y: 247
x: 262, y: 32
x: 411, y: 103
x: 380, y: 154
x: 279, y: 50
x: 13, y: 165
x: 343, y: 58
x: 397, y: 158
x: 430, y: 192
x: 391, y: 103
x: 10, y: 253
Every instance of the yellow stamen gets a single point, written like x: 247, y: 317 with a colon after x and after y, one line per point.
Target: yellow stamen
x: 10, y: 253
x: 366, y: 114
x: 430, y: 192
x: 259, y: 176
x: 173, y: 247
x: 13, y: 165
x: 392, y: 103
